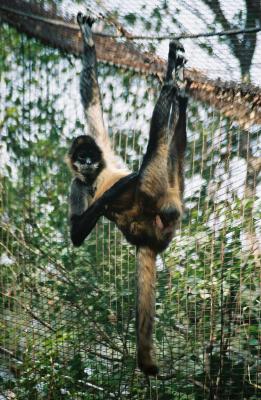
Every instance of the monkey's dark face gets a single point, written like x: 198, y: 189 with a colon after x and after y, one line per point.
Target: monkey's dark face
x: 86, y: 158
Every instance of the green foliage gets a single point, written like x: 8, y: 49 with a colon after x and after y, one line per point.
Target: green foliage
x: 68, y: 316
x: 130, y: 18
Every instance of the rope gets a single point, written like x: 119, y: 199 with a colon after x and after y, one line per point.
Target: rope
x: 126, y: 34
x: 195, y: 35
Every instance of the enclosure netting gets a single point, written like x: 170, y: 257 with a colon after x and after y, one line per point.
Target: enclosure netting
x: 67, y: 321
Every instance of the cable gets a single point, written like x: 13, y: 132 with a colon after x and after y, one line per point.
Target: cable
x: 130, y: 36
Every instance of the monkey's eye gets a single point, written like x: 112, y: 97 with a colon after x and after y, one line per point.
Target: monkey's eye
x: 81, y: 158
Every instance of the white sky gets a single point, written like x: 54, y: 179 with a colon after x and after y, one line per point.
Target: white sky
x: 221, y: 64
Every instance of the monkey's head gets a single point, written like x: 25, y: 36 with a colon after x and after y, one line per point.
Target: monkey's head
x: 85, y: 158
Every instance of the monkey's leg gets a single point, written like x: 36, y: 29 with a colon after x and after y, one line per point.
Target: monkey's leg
x: 177, y: 121
x: 145, y: 309
x: 153, y: 171
x: 177, y: 146
x: 89, y: 87
x: 154, y: 168
x: 170, y: 204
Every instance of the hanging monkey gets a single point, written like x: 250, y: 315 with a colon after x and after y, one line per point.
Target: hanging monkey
x: 147, y: 205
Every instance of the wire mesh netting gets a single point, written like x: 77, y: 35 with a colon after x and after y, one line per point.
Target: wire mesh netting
x: 67, y: 320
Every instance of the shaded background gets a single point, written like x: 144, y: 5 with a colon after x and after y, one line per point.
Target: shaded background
x: 67, y: 321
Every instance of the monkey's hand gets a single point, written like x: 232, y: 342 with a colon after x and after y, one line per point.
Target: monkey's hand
x: 85, y: 23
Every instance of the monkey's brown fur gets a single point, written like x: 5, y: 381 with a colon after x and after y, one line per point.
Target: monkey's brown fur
x: 146, y: 206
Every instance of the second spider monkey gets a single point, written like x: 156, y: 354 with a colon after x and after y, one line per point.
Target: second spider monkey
x: 147, y: 205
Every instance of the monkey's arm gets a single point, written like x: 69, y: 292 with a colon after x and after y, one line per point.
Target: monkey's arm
x: 78, y: 204
x: 82, y: 225
x: 89, y: 87
x: 82, y: 220
x: 90, y: 91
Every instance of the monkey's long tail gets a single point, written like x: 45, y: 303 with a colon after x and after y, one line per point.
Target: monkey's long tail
x: 145, y: 309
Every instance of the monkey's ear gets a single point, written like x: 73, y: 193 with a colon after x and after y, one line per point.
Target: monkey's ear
x: 78, y: 141
x: 68, y: 160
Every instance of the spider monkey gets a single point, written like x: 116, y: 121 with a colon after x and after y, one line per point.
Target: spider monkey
x: 147, y: 205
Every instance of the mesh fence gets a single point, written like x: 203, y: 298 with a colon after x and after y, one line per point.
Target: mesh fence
x: 67, y: 320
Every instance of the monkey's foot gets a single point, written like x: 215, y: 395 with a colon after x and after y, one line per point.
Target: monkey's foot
x: 175, y: 46
x: 85, y: 22
x: 176, y: 60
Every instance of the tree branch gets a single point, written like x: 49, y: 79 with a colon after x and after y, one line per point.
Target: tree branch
x: 244, y: 49
x: 238, y: 101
